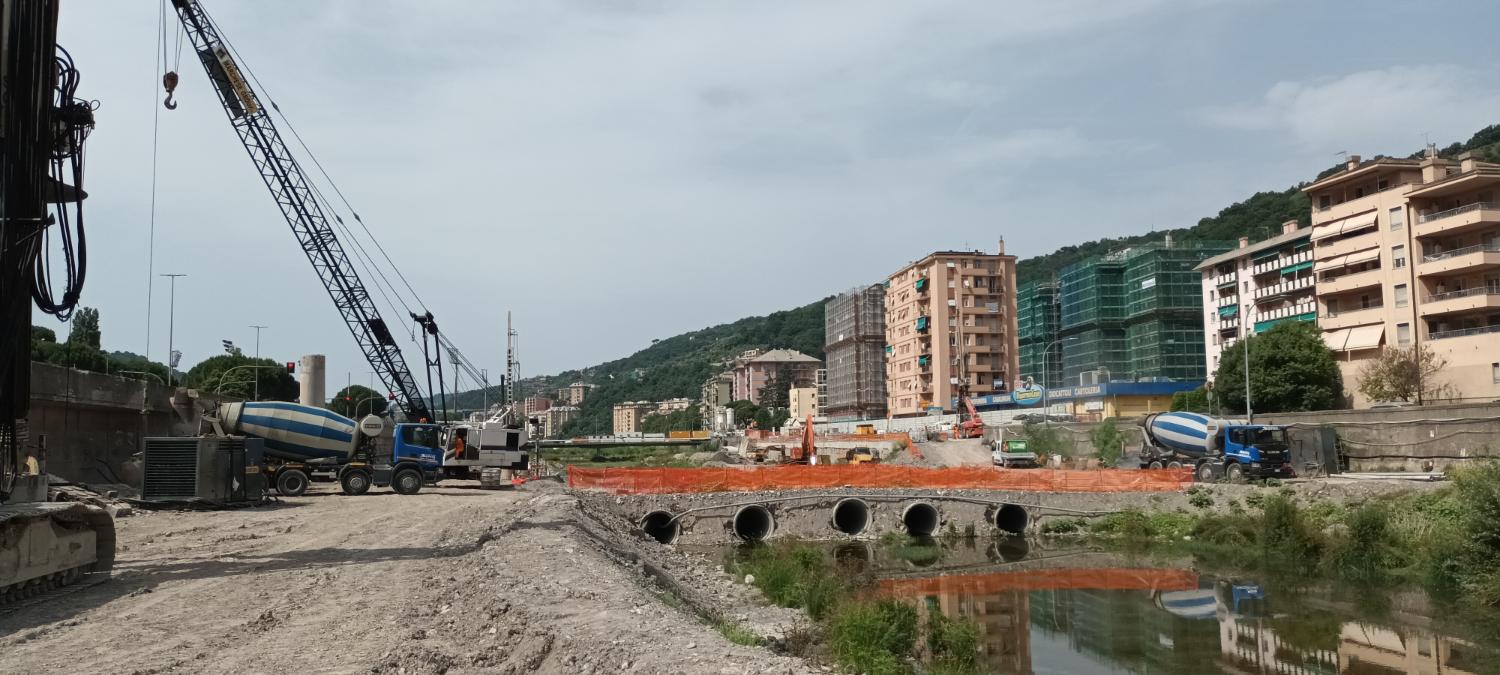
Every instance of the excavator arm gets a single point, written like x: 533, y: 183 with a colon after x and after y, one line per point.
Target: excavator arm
x: 305, y: 215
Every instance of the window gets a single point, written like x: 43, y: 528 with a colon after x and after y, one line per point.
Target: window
x: 1401, y: 295
x: 1333, y: 307
x: 1397, y: 218
x: 422, y: 436
x: 1325, y: 201
x: 1365, y: 302
x: 1495, y: 372
x: 1403, y: 334
x: 1398, y: 256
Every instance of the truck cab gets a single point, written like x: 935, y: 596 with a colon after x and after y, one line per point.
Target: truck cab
x: 1261, y: 450
x: 406, y: 457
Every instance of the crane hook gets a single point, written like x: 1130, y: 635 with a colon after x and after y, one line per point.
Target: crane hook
x: 170, y: 82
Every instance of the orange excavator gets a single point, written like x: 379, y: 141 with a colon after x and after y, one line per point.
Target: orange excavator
x: 969, y: 424
x: 803, y: 453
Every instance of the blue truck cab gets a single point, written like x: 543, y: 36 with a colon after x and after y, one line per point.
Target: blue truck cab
x: 1215, y: 447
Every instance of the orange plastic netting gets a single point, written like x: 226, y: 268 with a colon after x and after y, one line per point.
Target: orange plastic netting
x: 1114, y: 579
x: 793, y: 477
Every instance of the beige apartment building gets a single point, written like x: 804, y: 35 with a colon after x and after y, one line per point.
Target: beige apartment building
x: 554, y: 418
x: 1408, y: 253
x: 802, y: 402
x: 629, y: 415
x: 573, y: 394
x: 950, y: 315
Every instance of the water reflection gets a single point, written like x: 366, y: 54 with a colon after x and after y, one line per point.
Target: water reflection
x: 1045, y: 610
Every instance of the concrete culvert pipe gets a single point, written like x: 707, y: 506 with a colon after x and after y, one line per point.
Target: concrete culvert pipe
x: 753, y: 523
x: 660, y: 525
x: 851, y: 516
x: 920, y: 519
x: 1011, y: 519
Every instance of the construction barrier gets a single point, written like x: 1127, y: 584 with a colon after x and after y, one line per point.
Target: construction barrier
x: 1108, y: 579
x: 633, y: 480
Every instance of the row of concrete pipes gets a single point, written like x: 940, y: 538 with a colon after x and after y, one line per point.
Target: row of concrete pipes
x: 850, y: 516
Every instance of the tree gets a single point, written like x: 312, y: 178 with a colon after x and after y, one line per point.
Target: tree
x: 1108, y: 442
x: 677, y: 420
x: 1291, y: 370
x: 1192, y: 401
x: 85, y: 330
x: 1045, y: 440
x: 43, y: 334
x: 744, y: 411
x: 776, y: 393
x: 1405, y: 374
x: 230, y: 375
x: 356, y: 401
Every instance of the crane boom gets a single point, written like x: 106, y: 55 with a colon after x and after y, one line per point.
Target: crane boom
x: 290, y: 189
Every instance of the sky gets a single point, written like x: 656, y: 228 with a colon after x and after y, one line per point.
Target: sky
x: 614, y: 171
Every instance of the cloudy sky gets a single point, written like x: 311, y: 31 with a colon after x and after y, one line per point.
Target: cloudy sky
x: 614, y: 171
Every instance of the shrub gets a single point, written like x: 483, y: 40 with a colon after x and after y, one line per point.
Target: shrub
x: 954, y: 644
x: 1063, y: 525
x: 873, y: 637
x: 1202, y: 500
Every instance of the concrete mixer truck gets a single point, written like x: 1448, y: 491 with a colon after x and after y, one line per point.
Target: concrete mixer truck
x: 1215, y: 447
x: 302, y: 440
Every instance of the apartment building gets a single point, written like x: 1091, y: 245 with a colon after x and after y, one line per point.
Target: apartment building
x: 532, y: 405
x: 554, y: 418
x: 672, y: 405
x: 1037, y: 317
x: 754, y: 370
x: 573, y: 394
x: 1256, y: 286
x: 950, y: 316
x: 854, y: 330
x: 802, y: 402
x: 628, y: 416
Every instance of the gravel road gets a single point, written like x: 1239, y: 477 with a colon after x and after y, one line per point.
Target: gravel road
x: 451, y: 580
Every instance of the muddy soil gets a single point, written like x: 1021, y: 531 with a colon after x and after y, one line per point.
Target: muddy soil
x: 453, y: 580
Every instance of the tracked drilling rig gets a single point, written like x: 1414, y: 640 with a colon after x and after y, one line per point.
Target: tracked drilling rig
x: 43, y: 126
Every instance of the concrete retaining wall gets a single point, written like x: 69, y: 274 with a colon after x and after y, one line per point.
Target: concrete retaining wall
x: 1423, y: 438
x: 93, y: 423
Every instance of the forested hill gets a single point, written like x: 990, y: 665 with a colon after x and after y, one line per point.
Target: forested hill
x: 678, y: 365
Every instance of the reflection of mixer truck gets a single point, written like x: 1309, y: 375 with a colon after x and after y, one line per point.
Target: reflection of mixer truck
x: 1215, y: 447
x: 301, y: 440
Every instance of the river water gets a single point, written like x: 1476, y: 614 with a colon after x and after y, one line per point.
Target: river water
x: 1051, y: 610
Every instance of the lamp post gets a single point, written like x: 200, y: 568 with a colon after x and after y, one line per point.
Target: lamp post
x: 1249, y: 414
x: 171, y: 323
x: 1046, y: 390
x: 362, y: 402
x: 257, y: 359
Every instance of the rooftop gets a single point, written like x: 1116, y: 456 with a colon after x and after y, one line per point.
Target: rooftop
x: 1257, y: 247
x: 1363, y: 170
x: 784, y: 356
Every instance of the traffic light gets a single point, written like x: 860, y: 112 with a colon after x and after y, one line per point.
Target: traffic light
x: 291, y: 367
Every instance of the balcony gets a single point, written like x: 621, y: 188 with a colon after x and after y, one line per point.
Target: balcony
x: 1370, y: 239
x: 1462, y: 218
x: 1467, y: 300
x: 1464, y: 332
x: 1350, y: 282
x: 1351, y: 317
x: 1284, y: 288
x: 1283, y: 262
x: 1227, y: 279
x: 1468, y: 258
x: 1227, y: 300
x: 1228, y: 322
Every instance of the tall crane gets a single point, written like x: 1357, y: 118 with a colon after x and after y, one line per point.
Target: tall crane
x: 304, y: 213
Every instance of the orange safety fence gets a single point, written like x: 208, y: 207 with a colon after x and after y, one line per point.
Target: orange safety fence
x: 1109, y: 579
x: 633, y: 480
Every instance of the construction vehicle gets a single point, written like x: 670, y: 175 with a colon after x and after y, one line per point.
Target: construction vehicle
x: 969, y: 423
x: 804, y: 452
x: 43, y: 126
x: 1012, y: 453
x: 864, y: 430
x: 307, y: 212
x: 1215, y: 447
x: 302, y: 440
x: 490, y: 451
x: 860, y: 456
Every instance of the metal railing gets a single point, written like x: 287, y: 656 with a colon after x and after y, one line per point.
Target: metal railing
x: 1487, y: 248
x: 1467, y: 292
x: 1352, y: 310
x: 1427, y: 218
x: 1462, y: 332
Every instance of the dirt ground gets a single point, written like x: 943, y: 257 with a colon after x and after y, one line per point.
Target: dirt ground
x: 451, y: 580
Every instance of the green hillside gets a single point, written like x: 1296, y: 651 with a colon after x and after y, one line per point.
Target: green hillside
x: 678, y: 365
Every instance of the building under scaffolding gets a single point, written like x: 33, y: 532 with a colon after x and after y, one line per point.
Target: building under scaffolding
x: 1133, y: 314
x: 1037, y: 305
x: 854, y: 325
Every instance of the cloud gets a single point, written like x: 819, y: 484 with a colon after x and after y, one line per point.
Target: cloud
x: 1364, y: 110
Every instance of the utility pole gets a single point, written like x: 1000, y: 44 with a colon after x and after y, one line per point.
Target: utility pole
x: 257, y: 359
x: 171, y: 324
x: 1249, y: 414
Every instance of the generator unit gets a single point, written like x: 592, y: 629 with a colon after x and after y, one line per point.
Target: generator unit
x: 210, y: 470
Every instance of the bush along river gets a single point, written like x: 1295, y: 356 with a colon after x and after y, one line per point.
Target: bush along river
x: 1396, y: 585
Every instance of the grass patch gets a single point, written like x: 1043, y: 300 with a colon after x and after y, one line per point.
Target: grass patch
x: 734, y: 632
x: 873, y: 637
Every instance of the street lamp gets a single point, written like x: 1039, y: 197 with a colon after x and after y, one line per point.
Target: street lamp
x: 1046, y: 390
x: 257, y: 359
x: 171, y: 319
x: 362, y: 402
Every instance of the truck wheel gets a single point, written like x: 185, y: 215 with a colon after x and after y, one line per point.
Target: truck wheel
x: 1174, y: 464
x: 291, y: 483
x: 407, y: 482
x: 1235, y: 473
x: 1154, y: 465
x: 1207, y: 473
x: 355, y: 482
